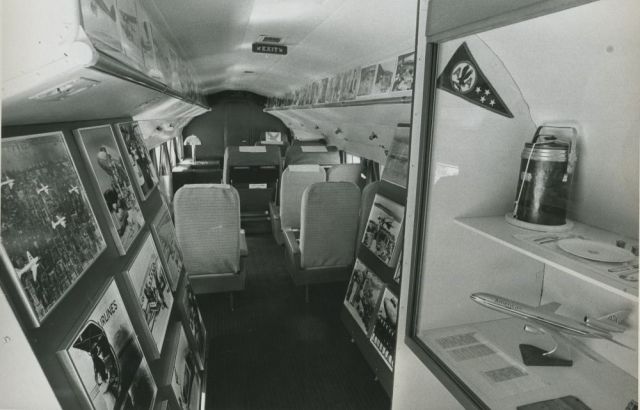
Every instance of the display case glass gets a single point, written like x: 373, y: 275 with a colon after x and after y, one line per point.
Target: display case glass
x: 524, y: 276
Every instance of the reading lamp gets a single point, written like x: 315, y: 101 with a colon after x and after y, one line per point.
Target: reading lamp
x: 193, y: 141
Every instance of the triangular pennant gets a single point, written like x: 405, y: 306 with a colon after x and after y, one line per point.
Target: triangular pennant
x: 463, y: 77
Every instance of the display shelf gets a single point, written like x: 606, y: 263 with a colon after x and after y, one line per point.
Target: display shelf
x: 549, y: 253
x: 486, y: 357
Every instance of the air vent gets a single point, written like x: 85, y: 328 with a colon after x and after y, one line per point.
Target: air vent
x: 263, y: 38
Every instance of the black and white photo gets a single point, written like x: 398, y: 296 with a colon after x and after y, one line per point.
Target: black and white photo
x: 384, y: 76
x: 403, y: 79
x: 130, y: 35
x: 49, y: 231
x: 152, y: 290
x: 367, y: 79
x: 382, y: 235
x: 363, y: 294
x: 144, y: 173
x: 396, y: 168
x: 167, y: 243
x: 100, y: 22
x: 195, y: 323
x: 185, y: 380
x: 383, y: 336
x: 103, y: 156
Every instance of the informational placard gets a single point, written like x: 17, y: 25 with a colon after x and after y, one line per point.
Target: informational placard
x: 269, y: 48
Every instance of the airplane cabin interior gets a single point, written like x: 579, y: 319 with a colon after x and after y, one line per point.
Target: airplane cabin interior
x: 319, y: 204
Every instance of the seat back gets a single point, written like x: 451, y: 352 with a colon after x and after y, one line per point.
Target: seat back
x: 329, y: 223
x: 312, y: 154
x: 207, y: 218
x: 368, y: 194
x: 295, y: 179
x: 344, y: 173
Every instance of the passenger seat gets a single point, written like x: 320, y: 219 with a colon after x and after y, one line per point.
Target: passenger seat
x: 345, y: 173
x: 324, y: 248
x: 207, y: 219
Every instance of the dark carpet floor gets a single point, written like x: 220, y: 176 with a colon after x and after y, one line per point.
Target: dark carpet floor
x: 274, y: 351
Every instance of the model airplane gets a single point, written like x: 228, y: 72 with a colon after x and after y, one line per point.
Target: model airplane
x: 543, y: 320
x: 43, y: 188
x: 32, y: 265
x: 60, y: 220
x: 75, y: 189
x: 8, y: 182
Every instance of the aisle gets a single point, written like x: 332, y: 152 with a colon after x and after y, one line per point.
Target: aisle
x: 276, y: 352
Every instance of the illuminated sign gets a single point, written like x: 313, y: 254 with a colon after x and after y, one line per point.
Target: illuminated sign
x: 269, y: 48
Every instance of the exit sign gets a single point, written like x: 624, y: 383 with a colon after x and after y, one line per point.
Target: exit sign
x: 269, y: 48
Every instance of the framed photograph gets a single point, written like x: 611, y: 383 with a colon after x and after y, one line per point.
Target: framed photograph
x: 383, y: 336
x: 322, y: 92
x: 363, y: 295
x: 106, y: 361
x: 185, y: 380
x: 148, y: 53
x: 383, y: 233
x: 367, y: 78
x: 384, y: 76
x: 152, y: 291
x: 403, y: 80
x: 167, y: 243
x: 350, y: 88
x: 195, y: 324
x: 50, y: 235
x: 396, y: 168
x: 130, y: 35
x: 100, y: 150
x: 144, y: 171
x: 100, y: 22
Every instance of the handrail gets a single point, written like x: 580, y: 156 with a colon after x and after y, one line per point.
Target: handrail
x: 354, y: 103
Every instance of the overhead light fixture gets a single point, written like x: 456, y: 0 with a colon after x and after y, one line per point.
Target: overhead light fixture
x: 66, y: 89
x: 264, y: 38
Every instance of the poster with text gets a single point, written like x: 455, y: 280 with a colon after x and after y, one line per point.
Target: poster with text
x: 49, y: 232
x: 144, y: 171
x: 363, y: 294
x: 106, y: 357
x: 130, y: 35
x: 152, y: 290
x: 167, y: 242
x: 382, y: 234
x: 383, y: 336
x: 148, y: 52
x: 103, y: 156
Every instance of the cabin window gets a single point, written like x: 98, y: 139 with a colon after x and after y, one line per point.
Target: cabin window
x: 351, y: 159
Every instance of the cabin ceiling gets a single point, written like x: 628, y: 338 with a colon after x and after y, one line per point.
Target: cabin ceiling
x: 324, y: 37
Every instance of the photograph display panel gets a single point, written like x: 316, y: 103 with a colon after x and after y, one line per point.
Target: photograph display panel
x: 382, y: 235
x: 196, y: 323
x: 100, y: 22
x: 367, y: 78
x: 403, y: 80
x: 130, y: 35
x: 152, y: 290
x: 396, y: 168
x: 139, y: 158
x: 106, y: 357
x: 385, y: 327
x: 384, y: 76
x: 167, y: 242
x: 49, y: 231
x: 103, y: 156
x: 363, y: 294
x: 185, y: 380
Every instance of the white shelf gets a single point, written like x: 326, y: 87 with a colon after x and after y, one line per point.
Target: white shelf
x: 599, y: 384
x: 498, y: 230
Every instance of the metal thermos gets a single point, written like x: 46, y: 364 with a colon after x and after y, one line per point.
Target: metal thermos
x: 544, y: 182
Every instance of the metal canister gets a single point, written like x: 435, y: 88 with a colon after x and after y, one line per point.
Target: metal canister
x: 544, y: 181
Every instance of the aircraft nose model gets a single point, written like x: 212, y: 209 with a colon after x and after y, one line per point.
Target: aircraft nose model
x: 544, y: 320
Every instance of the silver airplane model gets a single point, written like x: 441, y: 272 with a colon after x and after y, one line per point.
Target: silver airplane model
x: 60, y: 220
x: 74, y: 188
x: 8, y: 182
x: 43, y: 188
x: 543, y: 320
x: 31, y: 265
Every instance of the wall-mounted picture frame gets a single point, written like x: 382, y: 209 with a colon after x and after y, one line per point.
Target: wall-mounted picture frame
x: 195, y: 326
x: 396, y: 168
x: 100, y: 22
x: 363, y: 294
x: 403, y: 78
x: 167, y: 243
x: 367, y: 78
x: 104, y: 359
x: 139, y: 158
x: 384, y: 76
x: 383, y: 232
x: 185, y: 378
x: 50, y: 235
x: 118, y: 199
x: 151, y: 290
x: 130, y: 33
x: 385, y: 327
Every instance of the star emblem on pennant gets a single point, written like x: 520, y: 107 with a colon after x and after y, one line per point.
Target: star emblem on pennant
x: 463, y: 77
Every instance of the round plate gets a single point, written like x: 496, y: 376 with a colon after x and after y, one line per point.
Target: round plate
x: 597, y: 251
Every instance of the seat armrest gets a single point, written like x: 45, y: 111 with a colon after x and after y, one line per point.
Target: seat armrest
x: 291, y: 240
x: 244, y: 250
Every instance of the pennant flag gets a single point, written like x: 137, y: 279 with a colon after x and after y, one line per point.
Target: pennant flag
x: 462, y: 77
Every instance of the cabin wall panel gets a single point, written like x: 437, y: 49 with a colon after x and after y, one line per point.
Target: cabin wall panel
x: 56, y: 329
